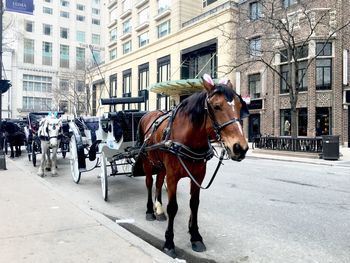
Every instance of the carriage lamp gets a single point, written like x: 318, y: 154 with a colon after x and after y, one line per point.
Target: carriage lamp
x: 4, y: 85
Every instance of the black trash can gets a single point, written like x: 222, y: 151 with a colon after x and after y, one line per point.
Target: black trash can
x: 330, y: 147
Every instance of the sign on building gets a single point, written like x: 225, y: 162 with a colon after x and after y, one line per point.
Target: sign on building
x: 20, y: 6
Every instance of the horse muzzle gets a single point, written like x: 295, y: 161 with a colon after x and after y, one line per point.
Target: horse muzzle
x: 237, y: 153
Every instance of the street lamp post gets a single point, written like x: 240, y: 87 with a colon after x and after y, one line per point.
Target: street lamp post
x: 2, y: 154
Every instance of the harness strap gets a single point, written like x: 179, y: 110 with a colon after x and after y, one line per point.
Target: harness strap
x: 213, y: 176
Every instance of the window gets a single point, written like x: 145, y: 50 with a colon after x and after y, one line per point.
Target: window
x: 127, y: 47
x: 284, y: 71
x: 28, y: 56
x: 80, y: 18
x: 47, y: 30
x: 63, y: 105
x: 163, y: 29
x: 64, y: 14
x: 323, y: 121
x: 126, y: 5
x: 64, y: 56
x: 47, y: 10
x: 37, y: 104
x: 323, y: 66
x: 163, y: 74
x: 37, y: 83
x: 113, y: 15
x: 80, y: 7
x: 81, y: 36
x: 95, y: 11
x: 302, y: 122
x: 95, y: 21
x: 80, y: 58
x: 163, y: 5
x: 127, y: 83
x: 255, y: 47
x: 254, y: 86
x: 48, y: 1
x: 287, y: 3
x: 47, y: 54
x: 255, y: 10
x: 64, y: 84
x: 113, y: 35
x: 97, y: 56
x: 29, y: 26
x: 143, y: 82
x: 127, y: 26
x: 208, y: 2
x: 144, y: 16
x: 96, y: 2
x: 113, y: 54
x: 285, y: 122
x: 64, y: 32
x: 96, y: 39
x: 302, y: 75
x: 80, y: 86
x: 64, y: 3
x: 143, y: 39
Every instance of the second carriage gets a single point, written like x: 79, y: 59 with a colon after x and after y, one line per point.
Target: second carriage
x: 107, y: 142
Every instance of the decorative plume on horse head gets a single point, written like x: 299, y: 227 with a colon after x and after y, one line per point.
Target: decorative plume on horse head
x: 50, y: 132
x: 176, y: 144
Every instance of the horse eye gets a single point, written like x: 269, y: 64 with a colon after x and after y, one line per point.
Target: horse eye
x: 217, y: 107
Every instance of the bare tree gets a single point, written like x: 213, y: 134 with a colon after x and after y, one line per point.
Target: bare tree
x: 269, y: 33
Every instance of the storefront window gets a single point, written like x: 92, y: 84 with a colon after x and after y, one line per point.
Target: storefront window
x: 323, y: 121
x: 302, y: 122
x: 285, y: 122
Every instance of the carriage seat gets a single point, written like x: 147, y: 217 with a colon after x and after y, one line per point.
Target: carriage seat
x: 92, y: 123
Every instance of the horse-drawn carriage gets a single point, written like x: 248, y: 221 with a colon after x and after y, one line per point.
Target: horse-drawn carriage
x: 172, y: 145
x: 13, y: 136
x: 33, y: 139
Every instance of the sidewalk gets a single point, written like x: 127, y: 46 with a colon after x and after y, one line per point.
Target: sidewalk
x: 37, y: 224
x: 344, y: 156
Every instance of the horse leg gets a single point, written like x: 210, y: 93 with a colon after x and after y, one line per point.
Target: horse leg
x: 43, y: 160
x: 48, y: 163
x: 169, y: 245
x: 54, y: 161
x: 196, y: 238
x: 149, y: 183
x: 158, y: 208
x: 12, y: 151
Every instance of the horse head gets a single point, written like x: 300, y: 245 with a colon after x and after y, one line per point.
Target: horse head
x: 53, y: 128
x: 226, y: 109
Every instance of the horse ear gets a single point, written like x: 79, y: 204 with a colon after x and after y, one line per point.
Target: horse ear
x: 208, y: 82
x: 224, y: 81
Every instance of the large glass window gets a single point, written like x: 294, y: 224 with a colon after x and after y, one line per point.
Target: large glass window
x: 64, y: 85
x: 47, y: 54
x: 64, y: 56
x: 285, y: 122
x: 127, y: 26
x: 95, y: 21
x: 65, y: 3
x: 143, y: 82
x: 163, y: 5
x: 324, y: 68
x: 97, y: 56
x: 113, y: 35
x: 126, y: 86
x: 284, y: 71
x: 163, y: 29
x: 80, y: 18
x: 163, y: 74
x: 96, y: 39
x: 113, y: 54
x: 36, y: 103
x: 302, y: 122
x: 113, y: 15
x: 64, y: 32
x: 28, y: 56
x: 254, y: 86
x: 80, y: 58
x: 126, y: 5
x: 47, y: 29
x: 37, y: 83
x: 255, y: 10
x: 323, y: 121
x: 302, y: 75
x: 47, y: 10
x: 80, y: 7
x: 64, y: 14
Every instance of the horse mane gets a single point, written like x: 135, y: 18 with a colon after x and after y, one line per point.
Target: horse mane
x: 194, y: 105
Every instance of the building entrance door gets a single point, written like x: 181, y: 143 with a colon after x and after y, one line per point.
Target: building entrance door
x: 254, y: 126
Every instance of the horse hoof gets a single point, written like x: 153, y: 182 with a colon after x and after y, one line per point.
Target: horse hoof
x: 41, y: 175
x: 161, y: 217
x: 47, y: 169
x: 150, y: 217
x: 170, y: 252
x: 54, y: 174
x: 198, y: 246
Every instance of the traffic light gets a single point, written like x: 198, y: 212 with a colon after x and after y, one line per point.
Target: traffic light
x: 4, y: 85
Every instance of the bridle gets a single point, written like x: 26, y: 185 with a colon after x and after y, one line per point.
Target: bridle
x: 216, y: 126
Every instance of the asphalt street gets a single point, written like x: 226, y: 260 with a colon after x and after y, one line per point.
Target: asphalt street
x: 256, y: 211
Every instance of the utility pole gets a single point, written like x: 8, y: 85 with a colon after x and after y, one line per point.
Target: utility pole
x: 2, y: 154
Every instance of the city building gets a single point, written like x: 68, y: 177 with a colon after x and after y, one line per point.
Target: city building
x: 49, y: 54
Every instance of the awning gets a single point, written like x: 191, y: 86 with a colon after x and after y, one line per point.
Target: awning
x: 177, y: 87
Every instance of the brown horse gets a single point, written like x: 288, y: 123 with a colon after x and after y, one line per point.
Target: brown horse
x: 176, y: 145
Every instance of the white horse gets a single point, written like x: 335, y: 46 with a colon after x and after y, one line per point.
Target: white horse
x: 49, y: 132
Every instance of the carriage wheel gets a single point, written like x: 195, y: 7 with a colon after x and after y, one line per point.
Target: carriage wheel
x: 104, y: 181
x: 74, y: 167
